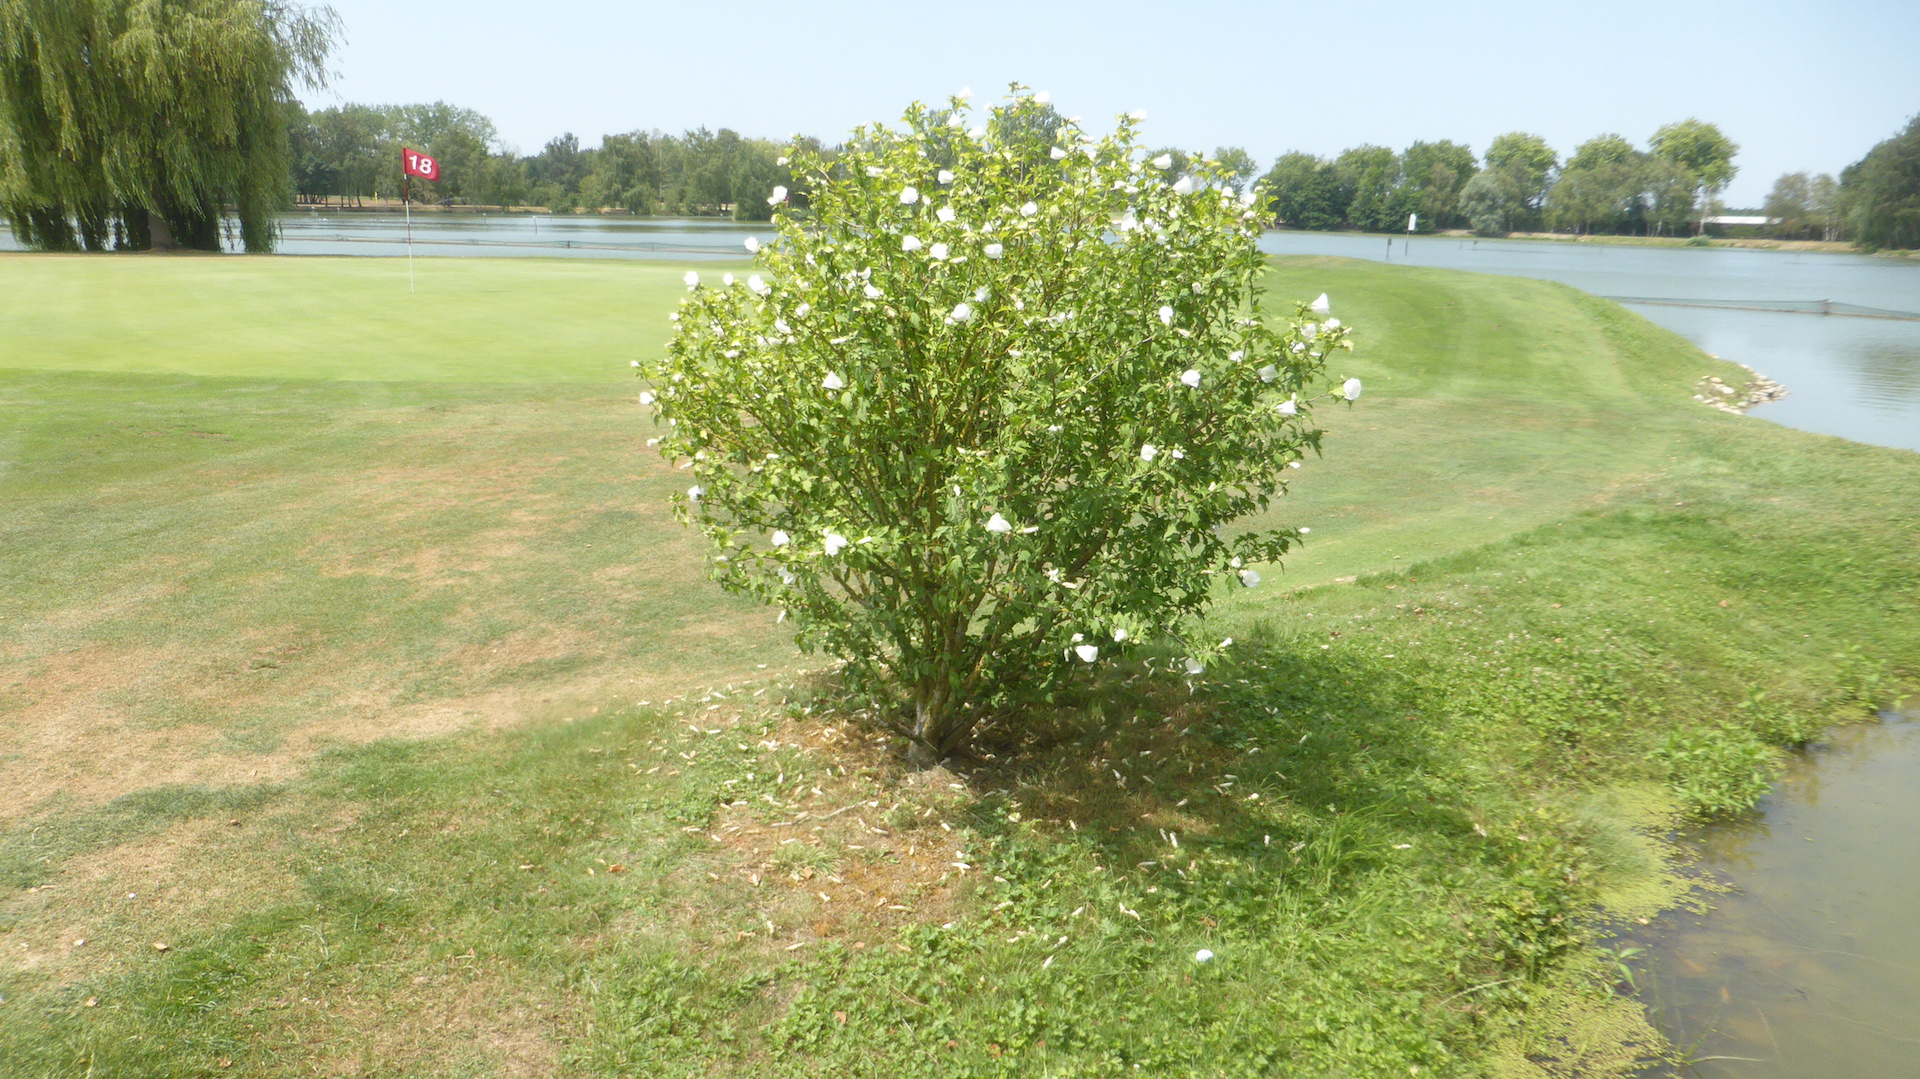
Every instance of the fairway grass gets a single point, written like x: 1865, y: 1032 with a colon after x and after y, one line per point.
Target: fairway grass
x: 347, y: 650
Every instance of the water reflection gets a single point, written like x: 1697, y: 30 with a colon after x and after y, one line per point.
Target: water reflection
x: 1810, y: 968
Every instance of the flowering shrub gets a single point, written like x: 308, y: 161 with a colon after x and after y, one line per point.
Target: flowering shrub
x: 991, y: 411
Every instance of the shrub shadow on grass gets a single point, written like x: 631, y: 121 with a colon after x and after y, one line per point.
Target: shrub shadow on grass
x: 1304, y: 764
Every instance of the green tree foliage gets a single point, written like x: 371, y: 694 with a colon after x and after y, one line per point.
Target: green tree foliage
x: 1370, y: 179
x: 1790, y: 205
x: 1704, y: 153
x: 1882, y: 192
x: 1488, y: 202
x: 1433, y: 175
x: 1599, y: 190
x: 1304, y: 192
x: 147, y: 119
x: 1524, y: 166
x: 992, y: 420
x: 1238, y: 165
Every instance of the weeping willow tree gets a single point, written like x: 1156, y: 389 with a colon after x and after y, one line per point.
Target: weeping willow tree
x: 136, y: 123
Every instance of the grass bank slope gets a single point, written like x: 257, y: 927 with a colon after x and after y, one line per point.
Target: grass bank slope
x: 1580, y: 601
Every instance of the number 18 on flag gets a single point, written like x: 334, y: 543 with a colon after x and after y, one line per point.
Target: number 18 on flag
x: 415, y: 163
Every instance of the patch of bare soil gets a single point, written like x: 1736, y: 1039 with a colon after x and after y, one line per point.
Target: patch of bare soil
x: 111, y: 910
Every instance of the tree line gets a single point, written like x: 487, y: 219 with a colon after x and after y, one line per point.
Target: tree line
x: 126, y: 125
x: 351, y: 153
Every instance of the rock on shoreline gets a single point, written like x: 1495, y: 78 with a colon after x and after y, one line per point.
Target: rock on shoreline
x: 1759, y: 389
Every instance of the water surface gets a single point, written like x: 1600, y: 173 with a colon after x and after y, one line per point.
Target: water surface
x: 1858, y: 378
x: 1810, y: 967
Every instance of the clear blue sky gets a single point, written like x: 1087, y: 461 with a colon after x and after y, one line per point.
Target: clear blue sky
x: 1798, y: 85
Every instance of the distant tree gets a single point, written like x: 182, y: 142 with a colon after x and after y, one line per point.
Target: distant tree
x: 756, y: 172
x: 1826, y: 207
x: 1303, y: 192
x: 1667, y: 196
x: 1703, y: 151
x: 1598, y: 190
x: 561, y: 163
x: 1882, y: 191
x: 1370, y: 175
x: 147, y: 119
x: 1433, y: 174
x: 1789, y: 207
x: 1524, y: 164
x: 626, y: 173
x: 1488, y: 201
x: 1238, y: 165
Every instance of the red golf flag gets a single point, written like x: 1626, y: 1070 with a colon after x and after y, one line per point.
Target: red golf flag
x: 415, y: 163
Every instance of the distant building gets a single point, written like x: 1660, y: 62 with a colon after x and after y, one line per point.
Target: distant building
x: 1757, y: 220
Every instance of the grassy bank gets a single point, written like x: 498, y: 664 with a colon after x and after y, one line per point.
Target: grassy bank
x: 367, y: 675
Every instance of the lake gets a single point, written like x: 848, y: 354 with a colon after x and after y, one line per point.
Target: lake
x: 1855, y: 377
x: 1810, y: 967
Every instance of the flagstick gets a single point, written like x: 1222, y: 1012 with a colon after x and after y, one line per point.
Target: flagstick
x: 407, y: 204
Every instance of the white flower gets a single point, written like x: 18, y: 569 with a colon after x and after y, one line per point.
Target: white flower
x: 1269, y: 373
x: 965, y: 94
x: 1137, y: 114
x: 1288, y: 407
x: 646, y: 397
x: 976, y: 132
x: 939, y: 252
x: 1056, y: 153
x: 994, y: 251
x: 1333, y: 324
x: 980, y: 294
x: 909, y: 196
x: 727, y: 280
x: 1236, y: 356
x: 1166, y: 316
x: 1198, y: 288
x: 833, y: 381
x: 1304, y: 531
x: 779, y: 196
x: 1350, y: 389
x: 1203, y: 956
x: 1177, y: 454
x: 1191, y: 378
x: 1164, y: 161
x: 753, y: 245
x: 780, y: 326
x: 997, y: 523
x: 694, y: 492
x: 787, y: 577
x: 946, y: 176
x: 1183, y: 186
x: 1194, y: 666
x: 874, y: 171
x: 833, y: 542
x: 945, y: 215
x: 692, y: 279
x: 962, y: 312
x: 758, y: 286
x: 1029, y: 209
x: 780, y: 538
x: 1042, y: 98
x: 1320, y: 306
x: 1249, y: 578
x: 781, y: 161
x: 1087, y: 652
x: 1119, y: 634
x: 801, y: 311
x: 911, y: 243
x: 1293, y: 464
x: 1248, y: 198
x: 872, y: 291
x: 1147, y: 450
